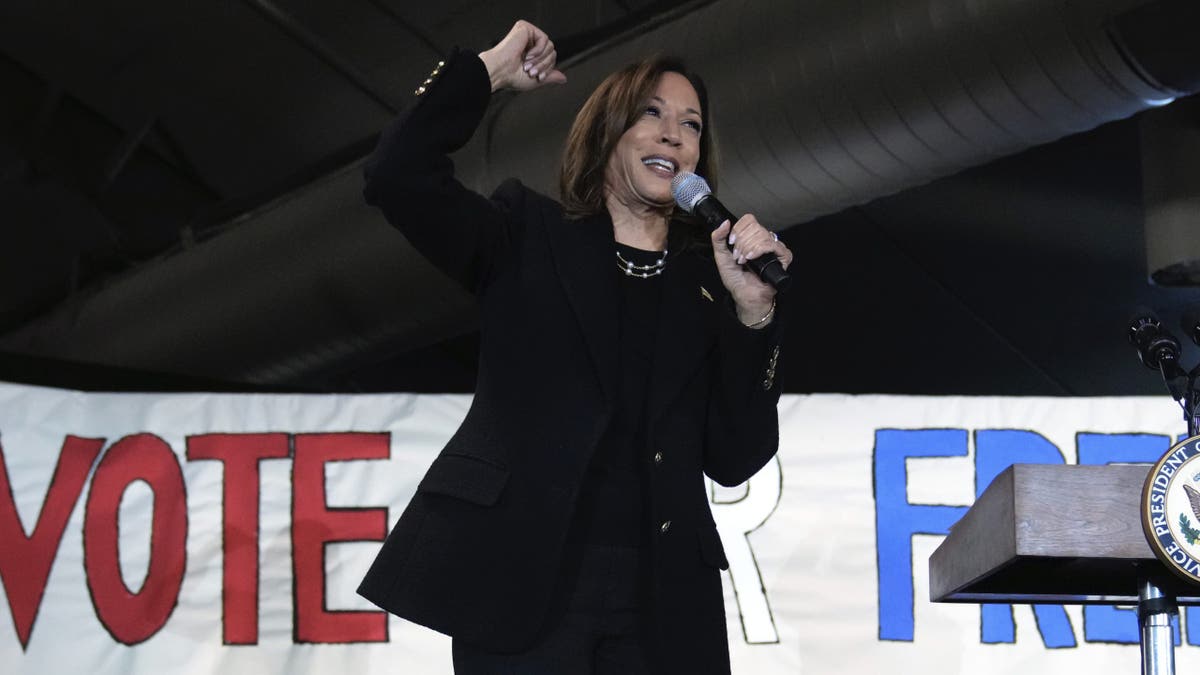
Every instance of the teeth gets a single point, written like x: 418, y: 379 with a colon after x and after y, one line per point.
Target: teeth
x: 659, y: 161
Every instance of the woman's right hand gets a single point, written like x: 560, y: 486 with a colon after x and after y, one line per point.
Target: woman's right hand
x: 525, y: 59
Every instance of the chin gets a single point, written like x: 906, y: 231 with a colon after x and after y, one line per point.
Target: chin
x: 658, y: 195
x: 660, y: 203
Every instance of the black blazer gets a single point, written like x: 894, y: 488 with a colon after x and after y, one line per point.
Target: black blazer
x: 477, y: 551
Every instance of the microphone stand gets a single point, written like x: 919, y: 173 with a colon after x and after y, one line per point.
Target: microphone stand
x: 1182, y: 386
x: 1191, y: 402
x: 1159, y: 350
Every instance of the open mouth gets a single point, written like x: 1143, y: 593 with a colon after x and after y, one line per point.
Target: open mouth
x: 661, y: 165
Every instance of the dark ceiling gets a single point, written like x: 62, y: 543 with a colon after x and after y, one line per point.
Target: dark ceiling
x: 134, y: 134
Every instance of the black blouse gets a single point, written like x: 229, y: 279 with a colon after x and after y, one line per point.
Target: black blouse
x: 612, y: 511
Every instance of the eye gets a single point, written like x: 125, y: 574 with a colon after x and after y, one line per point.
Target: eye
x: 693, y: 124
x: 652, y: 110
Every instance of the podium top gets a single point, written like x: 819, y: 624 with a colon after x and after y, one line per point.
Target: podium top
x: 1053, y: 533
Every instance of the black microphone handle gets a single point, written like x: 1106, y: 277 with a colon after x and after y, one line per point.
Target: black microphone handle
x: 766, y: 266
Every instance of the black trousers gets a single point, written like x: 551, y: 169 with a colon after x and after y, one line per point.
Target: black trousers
x: 600, y: 633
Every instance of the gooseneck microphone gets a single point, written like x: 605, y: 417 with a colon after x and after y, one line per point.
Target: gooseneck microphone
x: 1154, y: 345
x: 693, y: 195
x: 1158, y: 350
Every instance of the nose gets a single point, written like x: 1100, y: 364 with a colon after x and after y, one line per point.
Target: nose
x: 670, y: 134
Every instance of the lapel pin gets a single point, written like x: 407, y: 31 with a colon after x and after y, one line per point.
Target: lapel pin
x: 705, y: 294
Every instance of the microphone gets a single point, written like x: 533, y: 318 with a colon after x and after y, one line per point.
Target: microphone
x: 1154, y: 344
x: 1158, y: 350
x: 693, y: 195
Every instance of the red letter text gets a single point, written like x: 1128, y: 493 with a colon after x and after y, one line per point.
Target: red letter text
x: 25, y: 562
x: 240, y: 455
x: 134, y: 617
x: 314, y: 525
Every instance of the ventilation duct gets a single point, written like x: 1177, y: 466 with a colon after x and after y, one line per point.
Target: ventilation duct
x: 822, y: 106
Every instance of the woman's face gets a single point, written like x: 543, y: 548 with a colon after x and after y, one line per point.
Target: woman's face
x: 664, y: 141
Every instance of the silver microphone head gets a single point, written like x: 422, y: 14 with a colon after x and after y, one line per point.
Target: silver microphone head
x: 689, y: 189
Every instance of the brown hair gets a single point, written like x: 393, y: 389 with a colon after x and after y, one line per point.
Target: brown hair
x: 611, y: 109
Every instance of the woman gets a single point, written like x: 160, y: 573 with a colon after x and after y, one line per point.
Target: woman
x: 565, y: 526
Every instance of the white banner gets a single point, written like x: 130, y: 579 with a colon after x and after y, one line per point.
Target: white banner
x: 202, y: 533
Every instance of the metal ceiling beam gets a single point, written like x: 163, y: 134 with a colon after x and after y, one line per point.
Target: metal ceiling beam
x: 822, y: 106
x: 420, y: 35
x: 323, y: 51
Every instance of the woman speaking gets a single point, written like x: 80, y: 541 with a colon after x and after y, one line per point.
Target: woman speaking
x: 625, y: 352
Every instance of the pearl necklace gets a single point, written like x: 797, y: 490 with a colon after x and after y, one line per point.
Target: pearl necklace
x: 641, y: 271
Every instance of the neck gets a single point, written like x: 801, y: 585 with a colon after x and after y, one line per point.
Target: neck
x: 643, y: 227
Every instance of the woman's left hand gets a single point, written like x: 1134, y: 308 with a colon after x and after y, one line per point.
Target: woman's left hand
x: 752, y: 297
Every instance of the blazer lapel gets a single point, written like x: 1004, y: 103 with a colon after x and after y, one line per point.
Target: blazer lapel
x: 583, y: 257
x: 686, y: 328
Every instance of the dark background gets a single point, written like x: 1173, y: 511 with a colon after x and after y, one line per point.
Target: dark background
x: 136, y: 138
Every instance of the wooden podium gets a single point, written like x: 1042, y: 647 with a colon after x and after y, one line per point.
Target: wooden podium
x: 1053, y: 533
